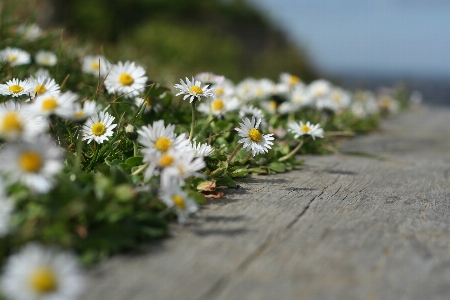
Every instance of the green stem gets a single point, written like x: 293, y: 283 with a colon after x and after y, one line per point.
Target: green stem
x: 135, y: 148
x: 78, y: 153
x: 94, y: 157
x: 234, y: 152
x: 292, y: 153
x: 191, y: 134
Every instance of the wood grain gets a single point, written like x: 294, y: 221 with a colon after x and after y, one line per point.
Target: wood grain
x: 373, y: 223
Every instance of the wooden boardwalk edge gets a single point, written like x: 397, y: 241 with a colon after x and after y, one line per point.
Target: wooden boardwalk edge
x: 344, y: 227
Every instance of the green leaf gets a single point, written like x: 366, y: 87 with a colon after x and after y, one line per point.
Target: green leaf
x: 277, y: 167
x: 198, y: 197
x: 134, y: 161
x: 226, y: 181
x: 257, y: 171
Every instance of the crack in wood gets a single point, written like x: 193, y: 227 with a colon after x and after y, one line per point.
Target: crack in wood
x: 221, y: 284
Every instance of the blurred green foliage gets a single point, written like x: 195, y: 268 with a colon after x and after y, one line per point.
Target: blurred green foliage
x: 178, y: 38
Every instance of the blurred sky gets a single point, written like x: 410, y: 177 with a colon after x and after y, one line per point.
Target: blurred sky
x: 380, y: 37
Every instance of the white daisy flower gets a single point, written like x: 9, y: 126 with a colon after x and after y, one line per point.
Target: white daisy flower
x: 159, y: 138
x: 41, y: 72
x: 32, y: 163
x: 252, y: 138
x: 327, y: 103
x: 193, y: 90
x: 319, y: 88
x: 185, y: 166
x: 98, y: 128
x: 46, y: 58
x: 95, y: 65
x: 138, y: 101
x: 388, y: 104
x: 219, y: 106
x: 201, y: 150
x: 251, y: 111
x: 16, y: 88
x: 6, y: 208
x: 300, y: 129
x: 269, y: 106
x: 17, y: 122
x: 225, y: 89
x: 264, y: 88
x: 210, y: 78
x: 86, y: 110
x: 15, y: 56
x: 58, y: 104
x: 245, y: 89
x: 126, y: 79
x: 178, y: 199
x: 290, y: 80
x: 43, y: 84
x: 29, y: 32
x: 341, y: 98
x: 39, y: 273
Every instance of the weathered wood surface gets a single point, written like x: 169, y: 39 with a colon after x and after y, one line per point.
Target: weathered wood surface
x: 343, y: 227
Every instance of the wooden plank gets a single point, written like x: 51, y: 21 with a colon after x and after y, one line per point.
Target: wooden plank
x: 344, y: 227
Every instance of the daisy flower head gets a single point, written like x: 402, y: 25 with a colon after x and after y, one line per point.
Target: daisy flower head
x: 160, y: 138
x: 319, y: 88
x: 42, y: 84
x: 201, y: 150
x: 85, y: 110
x: 15, y: 56
x: 210, y: 78
x: 98, y: 128
x: 341, y: 98
x: 126, y: 79
x: 53, y: 103
x: 29, y: 32
x: 193, y: 90
x: 300, y: 129
x: 219, y: 106
x: 17, y: 122
x: 46, y: 58
x: 16, y: 87
x: 32, y: 163
x: 39, y: 273
x: 290, y: 80
x: 225, y: 89
x: 252, y: 138
x: 180, y: 201
x: 149, y: 105
x: 95, y: 65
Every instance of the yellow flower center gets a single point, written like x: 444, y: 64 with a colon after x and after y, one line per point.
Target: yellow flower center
x: 79, y: 114
x: 294, y: 80
x: 95, y: 65
x: 49, y: 104
x: 98, y: 129
x: 163, y: 144
x: 40, y: 89
x: 11, y: 122
x: 385, y: 102
x: 259, y: 92
x: 273, y: 105
x: 12, y: 58
x: 196, y: 90
x: 218, y: 104
x: 15, y: 89
x: 166, y: 160
x: 305, y: 128
x: 43, y: 280
x: 126, y: 79
x: 255, y: 135
x: 179, y: 202
x: 337, y: 97
x: 220, y: 91
x: 30, y: 161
